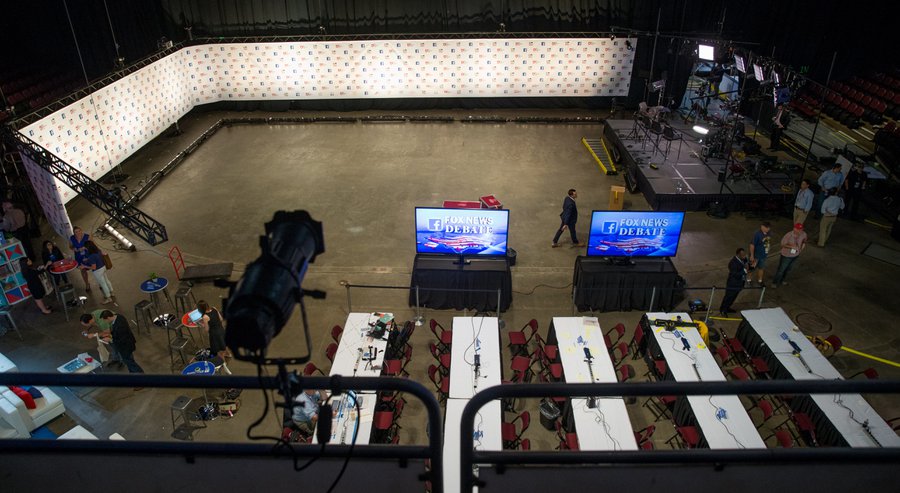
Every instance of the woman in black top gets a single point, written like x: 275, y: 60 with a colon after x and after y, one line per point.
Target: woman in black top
x: 212, y: 323
x: 51, y: 253
x: 33, y: 280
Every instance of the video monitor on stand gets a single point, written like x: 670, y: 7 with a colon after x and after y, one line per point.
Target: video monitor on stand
x: 620, y: 236
x: 462, y: 232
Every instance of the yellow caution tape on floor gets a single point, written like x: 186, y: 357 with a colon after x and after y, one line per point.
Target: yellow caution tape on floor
x: 864, y: 355
x: 873, y: 223
x: 724, y: 318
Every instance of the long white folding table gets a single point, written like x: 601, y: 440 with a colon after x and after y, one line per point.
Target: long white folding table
x: 770, y: 324
x: 358, y: 355
x: 487, y: 436
x: 694, y: 364
x: 353, y: 349
x: 606, y: 426
x: 474, y: 336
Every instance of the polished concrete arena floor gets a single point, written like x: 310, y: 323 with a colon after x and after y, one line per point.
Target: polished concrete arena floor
x: 362, y: 180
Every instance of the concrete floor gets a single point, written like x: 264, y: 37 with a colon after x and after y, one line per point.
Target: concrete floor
x: 362, y: 181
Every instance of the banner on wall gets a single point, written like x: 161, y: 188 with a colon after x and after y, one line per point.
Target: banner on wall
x: 98, y: 132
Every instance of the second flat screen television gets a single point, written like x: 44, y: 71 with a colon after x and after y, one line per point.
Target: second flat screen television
x: 634, y: 234
x: 461, y: 231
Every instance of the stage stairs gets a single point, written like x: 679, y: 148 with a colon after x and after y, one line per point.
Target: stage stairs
x: 600, y: 153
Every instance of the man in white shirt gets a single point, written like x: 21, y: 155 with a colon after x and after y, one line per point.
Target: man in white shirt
x: 831, y: 207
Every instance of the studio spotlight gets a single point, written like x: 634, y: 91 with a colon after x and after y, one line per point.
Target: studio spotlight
x: 740, y: 64
x: 261, y: 303
x: 700, y: 129
x: 628, y: 45
x: 706, y: 52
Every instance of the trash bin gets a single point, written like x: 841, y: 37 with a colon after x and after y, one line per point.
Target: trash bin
x: 549, y: 414
x: 511, y: 256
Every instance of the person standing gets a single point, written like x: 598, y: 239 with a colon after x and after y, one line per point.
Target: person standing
x: 123, y: 339
x: 856, y: 182
x: 803, y: 203
x: 15, y: 222
x: 737, y: 276
x: 568, y: 216
x: 76, y: 242
x: 94, y: 263
x: 831, y: 207
x: 792, y: 244
x: 101, y: 331
x: 759, y: 250
x: 829, y: 179
x: 212, y: 323
x: 35, y: 286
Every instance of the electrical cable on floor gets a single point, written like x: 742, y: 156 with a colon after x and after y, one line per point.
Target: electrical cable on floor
x: 541, y: 286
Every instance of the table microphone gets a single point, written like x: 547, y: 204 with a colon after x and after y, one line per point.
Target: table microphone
x: 587, y: 353
x: 795, y: 346
x: 687, y: 345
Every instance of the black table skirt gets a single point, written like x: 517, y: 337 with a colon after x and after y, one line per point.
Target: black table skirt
x: 599, y: 285
x: 826, y: 433
x: 438, y: 278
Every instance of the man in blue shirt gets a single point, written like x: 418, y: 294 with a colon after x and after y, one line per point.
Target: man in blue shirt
x: 827, y: 181
x: 831, y: 207
x: 803, y: 203
x: 759, y: 250
x: 306, y: 409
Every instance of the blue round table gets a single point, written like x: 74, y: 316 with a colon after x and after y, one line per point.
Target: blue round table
x: 199, y: 368
x: 153, y: 288
x: 202, y: 368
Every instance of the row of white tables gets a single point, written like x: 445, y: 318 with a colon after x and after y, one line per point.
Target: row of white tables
x: 358, y: 355
x: 773, y: 325
x: 694, y: 364
x: 607, y: 425
x: 472, y: 336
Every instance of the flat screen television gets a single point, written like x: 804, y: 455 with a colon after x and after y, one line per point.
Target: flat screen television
x: 462, y: 231
x: 634, y: 234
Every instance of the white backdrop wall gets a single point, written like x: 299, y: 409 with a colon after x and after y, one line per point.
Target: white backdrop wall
x: 99, y: 131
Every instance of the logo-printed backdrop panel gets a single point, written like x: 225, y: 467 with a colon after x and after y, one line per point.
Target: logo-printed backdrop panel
x: 410, y: 69
x: 99, y: 131
x: 45, y: 187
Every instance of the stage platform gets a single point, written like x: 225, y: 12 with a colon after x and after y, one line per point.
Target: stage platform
x: 682, y: 181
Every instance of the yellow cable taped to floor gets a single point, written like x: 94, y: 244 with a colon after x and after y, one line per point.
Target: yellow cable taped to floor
x: 875, y: 358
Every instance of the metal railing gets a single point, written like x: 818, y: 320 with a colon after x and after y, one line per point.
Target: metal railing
x: 469, y: 456
x: 432, y: 451
x: 656, y: 291
x: 417, y: 291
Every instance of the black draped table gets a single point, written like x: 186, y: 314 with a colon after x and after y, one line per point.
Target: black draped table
x: 838, y: 418
x: 605, y: 286
x: 445, y: 282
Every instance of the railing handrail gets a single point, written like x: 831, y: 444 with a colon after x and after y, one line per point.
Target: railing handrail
x: 434, y: 450
x: 469, y: 456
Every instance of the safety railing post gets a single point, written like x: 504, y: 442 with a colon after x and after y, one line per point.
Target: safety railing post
x: 652, y: 299
x: 712, y: 294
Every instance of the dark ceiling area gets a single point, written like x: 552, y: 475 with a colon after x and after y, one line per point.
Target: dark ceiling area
x: 802, y: 34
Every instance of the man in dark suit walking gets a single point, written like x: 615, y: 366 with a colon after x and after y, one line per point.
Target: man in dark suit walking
x: 123, y: 339
x: 569, y: 217
x: 737, y: 276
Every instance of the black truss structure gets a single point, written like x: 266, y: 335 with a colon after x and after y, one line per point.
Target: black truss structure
x: 110, y: 202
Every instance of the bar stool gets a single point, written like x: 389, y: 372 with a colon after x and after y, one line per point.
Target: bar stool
x: 144, y: 312
x: 65, y: 295
x: 181, y: 296
x: 180, y: 408
x: 12, y: 323
x: 177, y: 343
